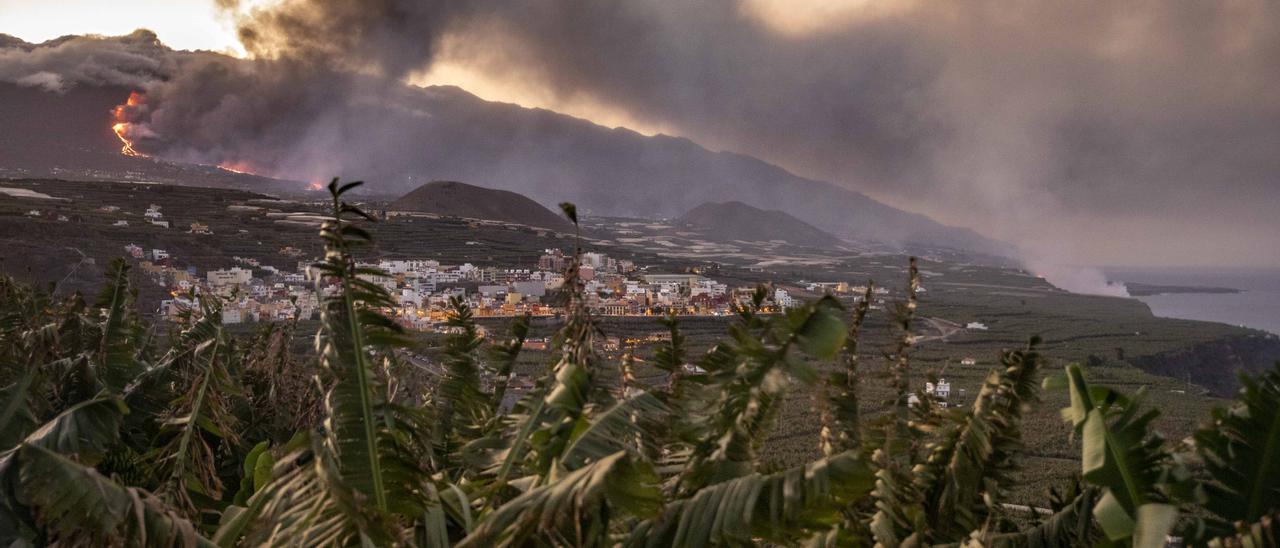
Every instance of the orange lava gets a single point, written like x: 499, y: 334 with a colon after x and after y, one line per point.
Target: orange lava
x: 243, y: 168
x: 121, y: 125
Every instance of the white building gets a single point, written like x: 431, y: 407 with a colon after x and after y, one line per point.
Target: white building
x: 708, y: 287
x: 530, y: 288
x: 782, y: 298
x: 942, y: 390
x: 594, y: 260
x: 229, y: 276
x: 492, y: 290
x: 976, y: 326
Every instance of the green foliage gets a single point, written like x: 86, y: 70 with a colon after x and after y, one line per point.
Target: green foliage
x: 574, y: 509
x: 1121, y: 454
x: 965, y: 476
x: 782, y: 507
x: 74, y: 504
x: 112, y: 432
x: 1241, y: 450
x: 461, y: 395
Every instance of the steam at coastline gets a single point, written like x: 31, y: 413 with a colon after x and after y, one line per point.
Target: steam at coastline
x: 1077, y: 279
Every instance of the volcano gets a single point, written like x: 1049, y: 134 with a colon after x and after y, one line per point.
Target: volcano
x: 738, y: 221
x: 454, y: 199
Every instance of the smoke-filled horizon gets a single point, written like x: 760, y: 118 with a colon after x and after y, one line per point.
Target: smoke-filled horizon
x: 1088, y: 133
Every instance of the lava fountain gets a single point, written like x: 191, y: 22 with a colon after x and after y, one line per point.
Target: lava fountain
x: 122, y: 127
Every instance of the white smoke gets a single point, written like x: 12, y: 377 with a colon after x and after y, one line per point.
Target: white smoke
x: 1077, y: 279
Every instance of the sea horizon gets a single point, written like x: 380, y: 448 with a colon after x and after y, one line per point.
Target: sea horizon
x: 1256, y: 306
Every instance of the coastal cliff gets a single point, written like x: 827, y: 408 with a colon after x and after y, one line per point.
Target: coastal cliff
x: 1215, y: 364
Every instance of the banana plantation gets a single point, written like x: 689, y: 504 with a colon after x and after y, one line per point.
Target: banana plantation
x: 116, y: 432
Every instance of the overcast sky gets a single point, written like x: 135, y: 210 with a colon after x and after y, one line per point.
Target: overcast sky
x: 1098, y: 132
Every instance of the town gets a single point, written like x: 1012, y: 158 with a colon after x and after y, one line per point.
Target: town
x: 422, y: 288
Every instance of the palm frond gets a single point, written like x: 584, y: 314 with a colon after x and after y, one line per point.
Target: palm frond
x: 308, y: 503
x: 116, y: 350
x: 841, y: 424
x: 752, y: 374
x: 1122, y: 455
x: 461, y: 398
x: 967, y: 471
x: 352, y: 333
x: 1071, y: 524
x: 200, y: 425
x: 1263, y: 533
x: 1241, y: 452
x: 898, y: 432
x: 505, y: 355
x: 85, y: 430
x: 573, y: 385
x: 576, y: 509
x: 16, y: 416
x: 628, y: 424
x: 75, y: 505
x: 785, y: 507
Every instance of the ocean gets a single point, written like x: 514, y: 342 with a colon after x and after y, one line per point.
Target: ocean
x: 1258, y: 306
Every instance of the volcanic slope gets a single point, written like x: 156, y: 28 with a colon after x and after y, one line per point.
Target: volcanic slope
x: 454, y: 199
x: 738, y: 221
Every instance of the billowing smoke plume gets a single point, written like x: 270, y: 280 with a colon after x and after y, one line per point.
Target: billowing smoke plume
x: 317, y: 98
x: 1077, y: 279
x: 1055, y: 125
x: 135, y: 60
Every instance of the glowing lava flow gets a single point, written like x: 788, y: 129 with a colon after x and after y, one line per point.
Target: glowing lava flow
x: 127, y: 149
x: 121, y: 127
x: 237, y: 167
x: 128, y: 128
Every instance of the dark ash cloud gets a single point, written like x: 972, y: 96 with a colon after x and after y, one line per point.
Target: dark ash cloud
x: 134, y: 60
x: 1032, y: 110
x: 1095, y: 131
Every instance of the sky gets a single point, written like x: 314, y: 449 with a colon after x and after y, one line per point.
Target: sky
x: 182, y: 24
x: 1100, y: 133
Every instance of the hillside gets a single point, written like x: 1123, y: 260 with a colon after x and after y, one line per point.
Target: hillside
x: 547, y: 156
x: 69, y: 135
x: 454, y: 199
x: 727, y: 221
x: 552, y: 157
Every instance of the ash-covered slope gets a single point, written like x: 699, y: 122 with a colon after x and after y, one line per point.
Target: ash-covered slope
x: 727, y: 221
x: 451, y: 198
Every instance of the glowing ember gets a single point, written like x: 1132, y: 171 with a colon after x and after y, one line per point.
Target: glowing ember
x: 315, y: 186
